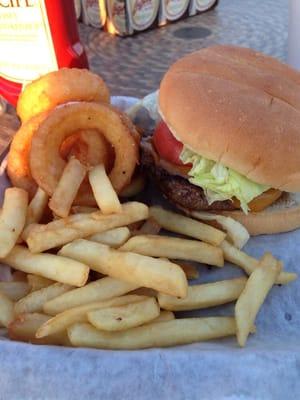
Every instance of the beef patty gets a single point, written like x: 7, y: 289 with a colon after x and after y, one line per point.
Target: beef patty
x: 179, y: 190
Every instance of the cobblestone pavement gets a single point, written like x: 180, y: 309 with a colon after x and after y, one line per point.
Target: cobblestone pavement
x: 134, y: 65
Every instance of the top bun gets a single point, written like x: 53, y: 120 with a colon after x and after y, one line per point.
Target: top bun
x: 240, y: 108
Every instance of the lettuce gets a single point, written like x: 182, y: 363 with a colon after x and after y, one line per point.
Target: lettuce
x: 219, y: 182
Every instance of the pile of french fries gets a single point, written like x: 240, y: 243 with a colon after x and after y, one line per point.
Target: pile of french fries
x: 104, y: 277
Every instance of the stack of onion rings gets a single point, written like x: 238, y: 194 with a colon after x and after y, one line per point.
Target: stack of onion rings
x: 87, y: 128
x: 60, y: 87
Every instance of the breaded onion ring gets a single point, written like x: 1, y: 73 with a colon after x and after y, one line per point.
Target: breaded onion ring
x: 46, y: 163
x: 18, y: 168
x: 60, y: 87
x: 89, y: 148
x: 134, y: 131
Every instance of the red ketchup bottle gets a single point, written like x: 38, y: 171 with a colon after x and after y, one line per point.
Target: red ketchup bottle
x: 36, y: 36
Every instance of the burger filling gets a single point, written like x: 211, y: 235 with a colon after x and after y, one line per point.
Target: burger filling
x: 219, y: 183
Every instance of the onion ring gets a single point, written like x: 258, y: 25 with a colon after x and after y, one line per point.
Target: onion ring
x: 60, y: 87
x: 134, y: 130
x: 18, y: 168
x: 89, y: 148
x: 46, y: 163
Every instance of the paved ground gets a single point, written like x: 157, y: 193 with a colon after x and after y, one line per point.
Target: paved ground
x: 134, y: 66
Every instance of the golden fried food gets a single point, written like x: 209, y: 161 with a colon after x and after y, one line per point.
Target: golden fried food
x: 18, y: 168
x: 46, y: 162
x: 89, y: 147
x: 60, y: 87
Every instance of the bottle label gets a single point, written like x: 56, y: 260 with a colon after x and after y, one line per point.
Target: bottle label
x: 142, y: 13
x: 174, y: 9
x: 26, y: 45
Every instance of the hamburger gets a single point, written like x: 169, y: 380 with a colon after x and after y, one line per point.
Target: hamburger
x: 228, y: 141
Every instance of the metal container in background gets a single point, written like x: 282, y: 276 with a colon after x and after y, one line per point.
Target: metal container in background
x: 294, y: 34
x: 78, y: 8
x: 142, y: 14
x: 126, y: 17
x: 117, y: 22
x: 198, y: 6
x: 172, y: 10
x: 94, y: 13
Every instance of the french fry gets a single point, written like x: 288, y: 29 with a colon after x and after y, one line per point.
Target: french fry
x: 14, y: 290
x: 38, y: 282
x: 35, y: 301
x: 67, y: 188
x: 57, y: 223
x: 79, y: 314
x: 170, y: 247
x: 163, y: 317
x: 83, y: 209
x: 25, y: 326
x: 113, y: 238
x: 249, y: 264
x: 6, y: 310
x: 60, y: 269
x: 36, y: 207
x: 253, y: 296
x: 143, y: 291
x: 12, y: 218
x: 204, y: 295
x: 63, y: 227
x: 149, y: 227
x: 236, y: 232
x: 60, y: 232
x: 187, y: 226
x: 162, y: 334
x: 124, y: 317
x: 190, y: 271
x: 29, y: 229
x: 100, y: 290
x: 158, y: 274
x: 238, y: 257
x: 104, y: 193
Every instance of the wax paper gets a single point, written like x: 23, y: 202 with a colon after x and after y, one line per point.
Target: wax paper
x: 267, y: 368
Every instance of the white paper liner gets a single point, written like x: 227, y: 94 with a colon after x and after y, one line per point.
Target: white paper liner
x: 267, y: 368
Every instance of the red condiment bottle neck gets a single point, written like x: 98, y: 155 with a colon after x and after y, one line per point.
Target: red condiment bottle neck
x: 36, y: 36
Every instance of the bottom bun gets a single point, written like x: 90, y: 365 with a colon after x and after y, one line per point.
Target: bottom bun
x: 282, y: 216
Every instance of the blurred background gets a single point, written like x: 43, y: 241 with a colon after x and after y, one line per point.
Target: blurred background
x: 157, y: 32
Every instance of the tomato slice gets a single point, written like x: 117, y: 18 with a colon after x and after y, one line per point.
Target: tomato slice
x: 167, y: 146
